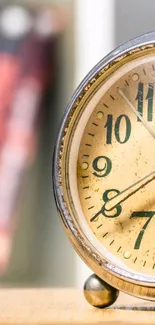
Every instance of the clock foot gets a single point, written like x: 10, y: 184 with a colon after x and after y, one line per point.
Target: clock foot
x: 99, y: 293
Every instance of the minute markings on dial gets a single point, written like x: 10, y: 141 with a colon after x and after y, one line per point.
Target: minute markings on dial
x: 112, y: 97
x: 91, y: 207
x: 135, y: 260
x: 100, y: 226
x: 105, y: 234
x: 123, y: 174
x: 91, y: 134
x: 126, y: 82
x: 144, y: 71
x: 106, y: 105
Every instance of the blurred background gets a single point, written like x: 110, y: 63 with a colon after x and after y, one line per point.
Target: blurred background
x: 46, y: 49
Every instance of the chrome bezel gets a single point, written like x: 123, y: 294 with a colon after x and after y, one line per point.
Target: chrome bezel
x: 123, y: 280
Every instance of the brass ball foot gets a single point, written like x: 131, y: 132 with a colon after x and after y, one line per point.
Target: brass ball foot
x: 98, y: 293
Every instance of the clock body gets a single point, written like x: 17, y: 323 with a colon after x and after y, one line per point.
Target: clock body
x: 104, y: 168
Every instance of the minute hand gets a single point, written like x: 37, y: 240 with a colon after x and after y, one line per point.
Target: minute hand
x: 147, y: 126
x: 132, y: 189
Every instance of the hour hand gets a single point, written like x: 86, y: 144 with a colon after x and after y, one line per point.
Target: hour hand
x: 126, y: 193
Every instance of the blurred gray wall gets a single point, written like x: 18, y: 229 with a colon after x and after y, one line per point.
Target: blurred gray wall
x: 133, y: 18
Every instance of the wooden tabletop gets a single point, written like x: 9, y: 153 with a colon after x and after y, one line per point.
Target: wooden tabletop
x: 68, y: 306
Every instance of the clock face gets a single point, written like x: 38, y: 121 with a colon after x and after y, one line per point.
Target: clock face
x: 114, y: 146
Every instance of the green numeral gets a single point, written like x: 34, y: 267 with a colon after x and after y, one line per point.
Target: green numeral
x: 142, y: 214
x: 102, y: 172
x: 117, y: 127
x: 117, y: 209
x: 109, y: 125
x: 149, y: 97
x: 139, y: 97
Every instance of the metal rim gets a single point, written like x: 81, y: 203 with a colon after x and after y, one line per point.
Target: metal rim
x: 122, y: 280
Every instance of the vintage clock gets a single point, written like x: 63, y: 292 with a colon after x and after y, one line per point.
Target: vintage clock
x: 104, y: 173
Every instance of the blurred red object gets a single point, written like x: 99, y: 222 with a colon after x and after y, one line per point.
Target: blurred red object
x: 26, y: 72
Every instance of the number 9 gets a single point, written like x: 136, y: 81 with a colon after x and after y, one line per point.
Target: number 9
x: 106, y: 169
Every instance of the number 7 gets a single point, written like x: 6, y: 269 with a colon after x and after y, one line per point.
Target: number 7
x: 142, y: 214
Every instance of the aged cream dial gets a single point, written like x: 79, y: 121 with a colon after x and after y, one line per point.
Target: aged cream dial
x: 104, y: 168
x: 116, y: 159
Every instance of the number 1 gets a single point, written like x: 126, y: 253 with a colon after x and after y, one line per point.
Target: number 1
x: 149, y: 98
x: 139, y: 97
